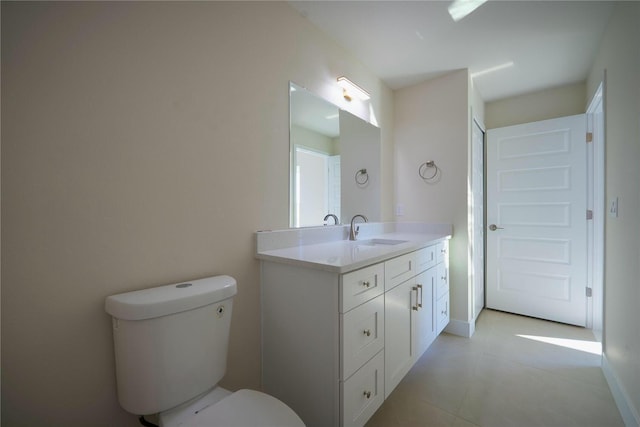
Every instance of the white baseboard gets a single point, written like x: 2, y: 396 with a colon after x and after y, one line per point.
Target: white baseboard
x: 625, y: 406
x: 460, y: 328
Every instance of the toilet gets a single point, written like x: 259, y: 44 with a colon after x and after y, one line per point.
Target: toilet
x: 171, y: 347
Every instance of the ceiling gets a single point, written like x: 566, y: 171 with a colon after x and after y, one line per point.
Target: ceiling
x: 550, y: 43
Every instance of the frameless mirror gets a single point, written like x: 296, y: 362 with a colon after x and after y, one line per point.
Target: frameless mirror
x: 335, y: 162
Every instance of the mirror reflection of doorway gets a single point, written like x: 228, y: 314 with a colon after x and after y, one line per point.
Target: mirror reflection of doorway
x: 317, y: 186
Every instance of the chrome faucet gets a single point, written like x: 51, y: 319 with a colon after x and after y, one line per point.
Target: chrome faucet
x: 353, y: 233
x: 335, y: 219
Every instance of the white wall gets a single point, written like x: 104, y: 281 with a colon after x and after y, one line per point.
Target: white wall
x: 432, y: 122
x: 619, y: 55
x: 143, y: 144
x: 546, y: 104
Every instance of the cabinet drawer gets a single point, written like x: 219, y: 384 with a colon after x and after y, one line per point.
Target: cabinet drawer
x: 362, y: 335
x: 363, y: 393
x: 398, y: 270
x: 361, y: 285
x: 442, y: 280
x: 442, y: 313
x: 425, y: 258
x: 442, y: 251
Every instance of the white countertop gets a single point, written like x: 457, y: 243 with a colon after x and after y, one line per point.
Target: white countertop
x: 341, y: 256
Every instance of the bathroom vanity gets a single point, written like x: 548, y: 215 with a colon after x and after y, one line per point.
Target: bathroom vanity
x: 344, y: 321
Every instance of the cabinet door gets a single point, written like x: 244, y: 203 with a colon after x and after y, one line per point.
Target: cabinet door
x: 400, y: 303
x: 442, y: 280
x: 362, y: 394
x: 442, y: 250
x: 362, y: 335
x: 399, y: 269
x: 425, y: 328
x: 360, y: 286
x: 425, y: 258
x: 442, y: 313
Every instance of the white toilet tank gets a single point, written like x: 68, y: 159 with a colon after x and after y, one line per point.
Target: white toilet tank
x: 170, y: 342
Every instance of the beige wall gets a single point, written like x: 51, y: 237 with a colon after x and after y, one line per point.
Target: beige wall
x: 432, y: 123
x: 143, y: 144
x: 620, y: 56
x: 532, y: 107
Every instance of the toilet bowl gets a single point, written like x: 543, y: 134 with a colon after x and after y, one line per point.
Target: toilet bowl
x: 244, y: 408
x: 171, y: 347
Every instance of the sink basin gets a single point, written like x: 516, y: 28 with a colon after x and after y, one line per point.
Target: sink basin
x: 380, y: 242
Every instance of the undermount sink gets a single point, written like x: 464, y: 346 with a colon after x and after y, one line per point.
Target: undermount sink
x: 380, y: 242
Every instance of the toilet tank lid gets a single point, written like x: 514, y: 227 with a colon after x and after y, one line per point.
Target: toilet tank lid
x: 170, y: 299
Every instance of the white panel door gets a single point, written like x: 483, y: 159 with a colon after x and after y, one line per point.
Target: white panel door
x: 536, y: 216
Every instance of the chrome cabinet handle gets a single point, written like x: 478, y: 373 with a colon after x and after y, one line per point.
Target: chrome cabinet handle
x: 367, y: 332
x: 494, y: 227
x: 366, y: 283
x: 415, y: 307
x: 420, y: 303
x: 367, y: 394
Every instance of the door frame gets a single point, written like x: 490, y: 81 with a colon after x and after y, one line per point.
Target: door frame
x: 475, y: 121
x: 595, y: 191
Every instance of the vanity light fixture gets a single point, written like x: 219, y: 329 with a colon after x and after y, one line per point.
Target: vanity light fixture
x: 349, y: 88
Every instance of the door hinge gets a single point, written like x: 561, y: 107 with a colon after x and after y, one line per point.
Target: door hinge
x: 589, y: 214
x: 589, y: 137
x: 589, y: 292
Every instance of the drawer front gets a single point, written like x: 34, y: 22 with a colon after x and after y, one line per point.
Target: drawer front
x: 362, y: 335
x: 398, y: 270
x: 442, y: 280
x: 363, y: 393
x: 442, y: 251
x: 361, y: 285
x: 425, y: 258
x: 442, y: 313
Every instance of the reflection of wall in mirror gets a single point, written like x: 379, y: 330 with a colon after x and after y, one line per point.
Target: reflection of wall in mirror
x: 360, y: 145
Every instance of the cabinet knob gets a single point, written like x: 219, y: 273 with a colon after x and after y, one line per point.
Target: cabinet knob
x: 367, y: 332
x: 367, y: 394
x: 366, y: 283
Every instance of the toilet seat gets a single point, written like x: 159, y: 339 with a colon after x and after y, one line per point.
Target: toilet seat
x: 246, y: 408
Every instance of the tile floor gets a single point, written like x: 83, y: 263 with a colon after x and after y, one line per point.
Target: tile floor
x: 514, y: 371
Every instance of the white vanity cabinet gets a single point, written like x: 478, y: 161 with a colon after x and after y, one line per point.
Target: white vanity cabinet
x: 334, y: 345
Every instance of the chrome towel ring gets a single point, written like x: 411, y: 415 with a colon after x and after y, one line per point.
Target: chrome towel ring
x: 362, y: 177
x: 429, y: 171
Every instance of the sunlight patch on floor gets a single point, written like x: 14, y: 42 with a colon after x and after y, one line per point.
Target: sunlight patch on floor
x: 592, y: 347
